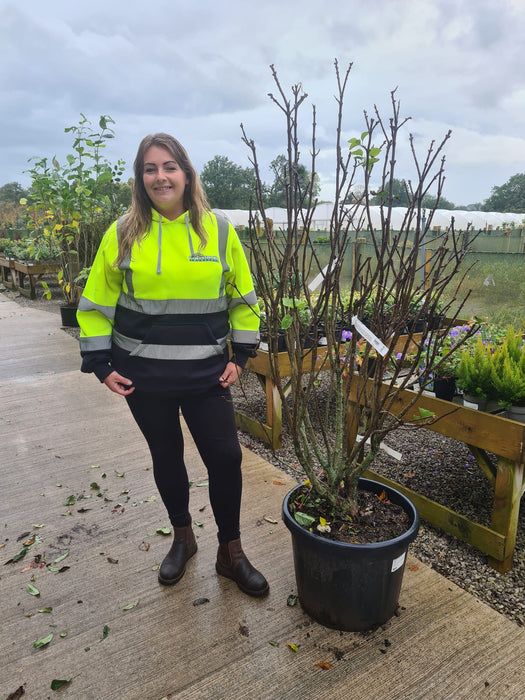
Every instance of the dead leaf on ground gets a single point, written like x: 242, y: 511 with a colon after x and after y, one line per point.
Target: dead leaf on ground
x: 273, y: 521
x: 243, y: 630
x: 144, y: 546
x: 279, y: 483
x: 200, y: 601
x: 325, y: 665
x: 409, y: 475
x: 23, y: 536
x: 111, y: 560
x: 17, y: 694
x: 414, y: 567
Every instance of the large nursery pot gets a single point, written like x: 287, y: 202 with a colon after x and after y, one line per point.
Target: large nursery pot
x: 345, y: 586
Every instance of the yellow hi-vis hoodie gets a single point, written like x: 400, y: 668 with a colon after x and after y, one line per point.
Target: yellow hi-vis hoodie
x: 163, y: 317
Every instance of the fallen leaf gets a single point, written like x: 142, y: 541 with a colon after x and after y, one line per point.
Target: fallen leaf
x: 61, y: 557
x: 118, y: 474
x: 163, y: 531
x: 93, y: 485
x: 291, y: 600
x: 292, y: 647
x: 270, y: 520
x: 144, y: 546
x: 130, y: 606
x: 39, y: 643
x: 279, y: 483
x: 63, y: 568
x: 243, y: 630
x: 414, y: 567
x: 22, y: 536
x: 112, y: 561
x: 17, y: 694
x: 83, y: 510
x: 34, y: 525
x: 198, y: 523
x: 29, y: 542
x: 45, y: 610
x: 56, y: 684
x: 409, y: 475
x: 274, y: 644
x: 202, y: 483
x: 200, y: 601
x: 70, y: 500
x: 32, y: 590
x: 105, y: 633
x: 325, y: 665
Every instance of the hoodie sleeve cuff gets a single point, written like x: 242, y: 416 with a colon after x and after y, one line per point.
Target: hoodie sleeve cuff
x: 242, y: 353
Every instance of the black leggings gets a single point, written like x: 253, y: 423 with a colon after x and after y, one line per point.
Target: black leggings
x: 211, y: 421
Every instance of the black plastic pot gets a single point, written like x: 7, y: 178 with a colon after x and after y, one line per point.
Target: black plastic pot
x: 445, y: 388
x: 69, y: 316
x: 346, y: 586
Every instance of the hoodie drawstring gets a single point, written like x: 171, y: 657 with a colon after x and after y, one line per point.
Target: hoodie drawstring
x: 159, y: 259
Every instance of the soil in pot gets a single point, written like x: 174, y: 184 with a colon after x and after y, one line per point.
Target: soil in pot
x: 347, y: 585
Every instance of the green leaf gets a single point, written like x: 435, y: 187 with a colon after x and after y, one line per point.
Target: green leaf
x: 45, y: 610
x: 39, y: 643
x: 286, y: 322
x: 274, y: 644
x: 70, y: 500
x: 304, y: 519
x: 94, y: 485
x: 423, y: 414
x: 61, y: 557
x: 163, y: 530
x: 32, y: 590
x: 291, y: 600
x: 105, y: 633
x: 56, y: 684
x: 130, y: 606
x: 118, y: 474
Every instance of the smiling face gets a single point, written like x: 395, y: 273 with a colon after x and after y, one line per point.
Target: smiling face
x: 164, y: 181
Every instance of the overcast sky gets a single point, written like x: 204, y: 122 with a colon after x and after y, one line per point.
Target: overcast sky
x: 198, y: 69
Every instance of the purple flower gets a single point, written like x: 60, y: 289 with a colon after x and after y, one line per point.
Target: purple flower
x: 346, y: 335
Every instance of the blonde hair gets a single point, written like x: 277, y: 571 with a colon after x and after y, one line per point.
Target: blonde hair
x: 137, y: 222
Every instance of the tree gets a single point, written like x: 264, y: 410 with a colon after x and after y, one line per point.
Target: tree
x: 227, y: 185
x: 400, y: 194
x: 277, y: 192
x: 12, y: 192
x: 431, y: 202
x: 509, y: 197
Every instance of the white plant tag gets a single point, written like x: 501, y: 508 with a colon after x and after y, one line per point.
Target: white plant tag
x: 369, y: 336
x: 398, y: 562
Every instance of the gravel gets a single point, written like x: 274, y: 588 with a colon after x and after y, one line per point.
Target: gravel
x: 433, y: 465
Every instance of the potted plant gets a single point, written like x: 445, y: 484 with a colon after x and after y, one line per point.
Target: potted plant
x: 346, y: 577
x: 509, y: 374
x: 443, y: 360
x: 75, y: 203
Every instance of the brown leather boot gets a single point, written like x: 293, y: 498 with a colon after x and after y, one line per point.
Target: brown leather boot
x: 233, y: 563
x: 174, y: 564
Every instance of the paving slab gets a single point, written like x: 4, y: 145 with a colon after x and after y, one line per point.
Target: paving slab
x: 75, y: 474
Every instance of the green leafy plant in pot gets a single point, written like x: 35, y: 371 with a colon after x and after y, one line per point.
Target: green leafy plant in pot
x: 346, y: 577
x: 75, y: 201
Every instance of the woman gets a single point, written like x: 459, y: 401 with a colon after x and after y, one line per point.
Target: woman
x: 169, y: 286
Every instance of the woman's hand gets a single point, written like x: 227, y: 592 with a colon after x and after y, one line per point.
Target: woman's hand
x: 119, y: 384
x: 230, y: 375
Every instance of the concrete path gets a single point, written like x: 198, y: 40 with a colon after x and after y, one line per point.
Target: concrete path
x: 75, y: 475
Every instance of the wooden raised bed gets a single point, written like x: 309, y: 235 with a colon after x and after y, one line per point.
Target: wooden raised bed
x: 482, y: 432
x: 16, y: 274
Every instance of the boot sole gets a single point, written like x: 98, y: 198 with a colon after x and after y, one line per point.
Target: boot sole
x: 248, y: 591
x: 173, y: 581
